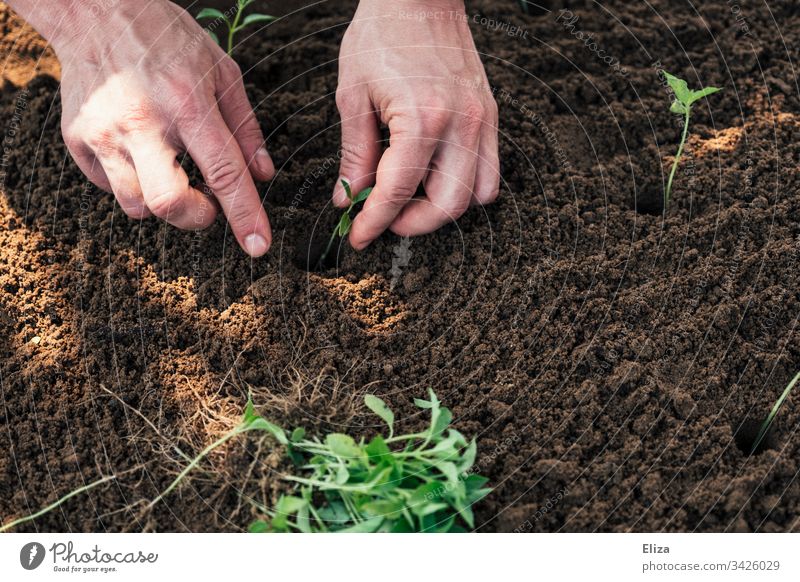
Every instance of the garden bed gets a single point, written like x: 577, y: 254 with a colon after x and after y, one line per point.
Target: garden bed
x: 604, y: 354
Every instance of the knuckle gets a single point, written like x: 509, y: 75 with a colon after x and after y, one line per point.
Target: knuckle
x: 230, y: 67
x: 347, y: 101
x: 455, y: 206
x: 471, y: 121
x: 434, y: 120
x: 223, y: 176
x: 168, y: 204
x: 103, y: 142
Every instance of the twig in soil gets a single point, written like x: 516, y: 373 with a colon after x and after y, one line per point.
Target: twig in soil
x: 56, y: 504
x: 233, y: 26
x: 771, y: 416
x: 684, y: 99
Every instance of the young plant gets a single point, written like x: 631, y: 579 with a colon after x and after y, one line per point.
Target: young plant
x: 345, y: 221
x: 771, y: 416
x: 419, y: 482
x: 684, y: 99
x: 234, y: 25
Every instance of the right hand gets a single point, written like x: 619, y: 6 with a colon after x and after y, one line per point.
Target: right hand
x: 141, y: 85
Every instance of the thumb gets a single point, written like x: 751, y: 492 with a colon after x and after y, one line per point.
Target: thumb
x: 361, y: 148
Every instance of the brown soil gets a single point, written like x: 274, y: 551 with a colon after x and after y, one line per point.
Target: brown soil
x: 605, y: 358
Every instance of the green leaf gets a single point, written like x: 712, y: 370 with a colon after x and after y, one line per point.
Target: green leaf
x: 298, y: 434
x: 255, y: 18
x: 363, y: 195
x: 475, y: 482
x: 697, y: 95
x: 679, y: 87
x: 276, y: 431
x: 258, y: 526
x: 678, y: 108
x: 441, y: 422
x: 343, y: 446
x: 388, y: 508
x: 465, y: 511
x: 213, y: 36
x: 344, y: 224
x: 368, y: 526
x: 378, y: 450
x: 379, y: 407
x: 342, y: 475
x: 470, y: 453
x: 449, y: 470
x: 210, y: 13
x: 347, y: 190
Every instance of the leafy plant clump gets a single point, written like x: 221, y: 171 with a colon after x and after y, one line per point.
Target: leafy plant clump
x: 345, y: 221
x: 419, y: 482
x: 234, y: 25
x: 771, y: 416
x: 682, y: 105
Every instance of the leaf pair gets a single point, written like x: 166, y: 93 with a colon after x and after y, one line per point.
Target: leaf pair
x: 685, y: 97
x: 236, y: 24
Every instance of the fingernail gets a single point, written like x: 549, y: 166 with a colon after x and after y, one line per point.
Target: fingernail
x: 255, y: 245
x: 264, y: 162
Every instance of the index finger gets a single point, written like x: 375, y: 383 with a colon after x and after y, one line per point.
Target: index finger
x: 217, y: 154
x: 400, y: 171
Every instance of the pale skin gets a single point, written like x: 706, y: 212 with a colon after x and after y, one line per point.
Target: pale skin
x: 142, y: 84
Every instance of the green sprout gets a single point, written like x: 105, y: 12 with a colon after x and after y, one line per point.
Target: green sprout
x: 423, y: 481
x: 684, y: 99
x: 235, y: 25
x: 345, y: 221
x: 771, y: 416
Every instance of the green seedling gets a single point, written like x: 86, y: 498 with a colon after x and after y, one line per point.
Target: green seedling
x: 771, y: 416
x: 234, y: 25
x: 55, y: 504
x: 419, y: 482
x: 682, y: 105
x: 345, y: 221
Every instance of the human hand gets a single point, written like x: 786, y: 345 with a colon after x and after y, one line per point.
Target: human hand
x: 142, y: 83
x: 413, y: 66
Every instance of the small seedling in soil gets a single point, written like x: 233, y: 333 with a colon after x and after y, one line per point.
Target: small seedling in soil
x: 419, y: 482
x: 345, y: 221
x: 236, y: 24
x: 684, y: 99
x: 771, y: 416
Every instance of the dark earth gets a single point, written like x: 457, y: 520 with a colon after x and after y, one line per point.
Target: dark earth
x: 612, y: 360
